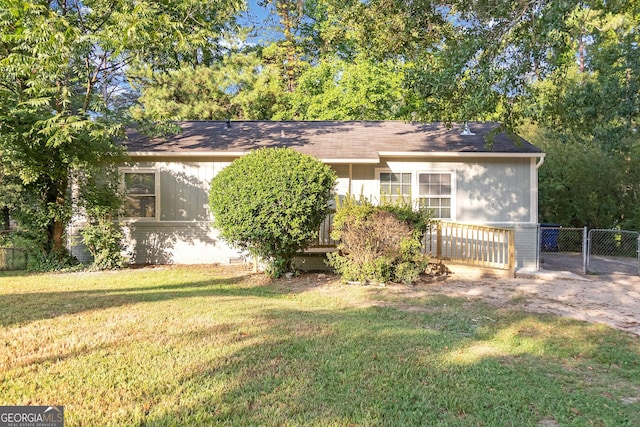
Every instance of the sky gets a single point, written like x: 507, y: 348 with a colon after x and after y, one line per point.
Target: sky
x: 261, y: 19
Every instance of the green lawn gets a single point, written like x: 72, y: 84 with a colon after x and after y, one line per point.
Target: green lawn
x: 214, y: 346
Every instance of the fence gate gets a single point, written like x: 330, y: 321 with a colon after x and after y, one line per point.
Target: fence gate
x: 613, y: 251
x: 563, y: 248
x: 589, y: 251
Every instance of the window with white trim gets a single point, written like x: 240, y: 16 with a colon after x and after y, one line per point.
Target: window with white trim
x: 395, y: 187
x: 434, y: 193
x: 140, y: 189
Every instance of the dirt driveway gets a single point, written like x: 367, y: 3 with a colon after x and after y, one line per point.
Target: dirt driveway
x: 610, y: 299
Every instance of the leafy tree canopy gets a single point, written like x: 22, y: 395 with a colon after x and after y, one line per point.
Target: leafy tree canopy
x: 63, y: 71
x: 570, y: 68
x: 239, y: 86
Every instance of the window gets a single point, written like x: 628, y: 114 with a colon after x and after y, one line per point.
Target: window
x: 140, y: 192
x: 431, y: 190
x: 395, y: 186
x: 434, y: 192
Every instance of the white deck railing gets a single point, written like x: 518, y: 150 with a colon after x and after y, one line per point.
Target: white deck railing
x: 478, y: 245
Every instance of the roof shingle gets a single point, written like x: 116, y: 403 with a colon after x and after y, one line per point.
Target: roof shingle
x: 329, y: 140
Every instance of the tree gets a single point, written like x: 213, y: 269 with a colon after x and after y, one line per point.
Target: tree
x: 102, y: 201
x: 271, y: 203
x: 240, y: 86
x: 584, y: 183
x: 336, y: 89
x: 10, y: 189
x: 63, y: 64
x: 580, y: 183
x: 287, y: 51
x: 587, y: 111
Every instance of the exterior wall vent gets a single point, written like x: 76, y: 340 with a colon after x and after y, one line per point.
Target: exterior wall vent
x: 466, y: 131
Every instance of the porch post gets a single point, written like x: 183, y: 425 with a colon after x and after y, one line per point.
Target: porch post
x: 439, y: 240
x: 512, y: 254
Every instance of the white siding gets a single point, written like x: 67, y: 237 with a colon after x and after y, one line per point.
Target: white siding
x: 176, y: 243
x: 364, y: 181
x: 491, y: 191
x: 526, y: 244
x: 342, y: 186
x: 184, y: 234
x: 184, y: 191
x: 494, y: 191
x: 488, y: 190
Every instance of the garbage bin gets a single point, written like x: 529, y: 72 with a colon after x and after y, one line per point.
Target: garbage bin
x: 549, y: 234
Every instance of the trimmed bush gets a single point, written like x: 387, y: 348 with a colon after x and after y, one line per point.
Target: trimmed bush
x: 271, y: 203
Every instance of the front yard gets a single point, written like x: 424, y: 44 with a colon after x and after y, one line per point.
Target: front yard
x: 216, y: 346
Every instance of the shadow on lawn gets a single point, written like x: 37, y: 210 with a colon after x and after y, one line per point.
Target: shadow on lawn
x: 382, y: 366
x: 25, y: 307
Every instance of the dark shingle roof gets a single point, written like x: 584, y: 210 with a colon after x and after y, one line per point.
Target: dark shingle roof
x: 329, y: 140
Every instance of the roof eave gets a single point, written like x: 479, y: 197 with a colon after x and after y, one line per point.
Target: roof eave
x: 185, y: 154
x: 456, y: 154
x: 209, y: 154
x: 371, y: 160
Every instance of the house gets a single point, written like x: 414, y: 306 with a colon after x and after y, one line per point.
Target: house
x: 452, y: 170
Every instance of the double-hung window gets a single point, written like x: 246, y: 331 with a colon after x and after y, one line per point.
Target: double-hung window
x: 434, y: 193
x: 395, y: 187
x: 140, y: 189
x: 431, y: 190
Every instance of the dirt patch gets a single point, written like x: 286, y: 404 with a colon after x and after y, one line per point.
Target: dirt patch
x: 613, y: 299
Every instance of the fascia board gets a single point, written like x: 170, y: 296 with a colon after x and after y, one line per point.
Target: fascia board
x: 456, y: 154
x: 202, y: 154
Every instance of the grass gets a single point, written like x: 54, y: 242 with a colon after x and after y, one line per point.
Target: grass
x: 215, y: 346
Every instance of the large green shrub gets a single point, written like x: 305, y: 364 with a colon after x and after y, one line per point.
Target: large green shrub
x: 378, y: 243
x: 103, y: 239
x: 271, y: 203
x: 102, y: 201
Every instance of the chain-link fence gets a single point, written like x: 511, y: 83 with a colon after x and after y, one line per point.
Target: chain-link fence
x: 561, y: 239
x: 589, y: 251
x: 613, y: 251
x: 13, y: 259
x: 562, y: 248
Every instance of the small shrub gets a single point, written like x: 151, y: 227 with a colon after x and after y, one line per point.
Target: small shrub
x: 412, y: 262
x: 103, y: 239
x: 418, y: 219
x: 35, y: 257
x: 378, y: 243
x: 408, y: 272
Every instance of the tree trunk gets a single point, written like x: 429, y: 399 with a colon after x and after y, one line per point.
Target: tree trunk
x: 58, y: 237
x: 6, y: 218
x: 57, y: 223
